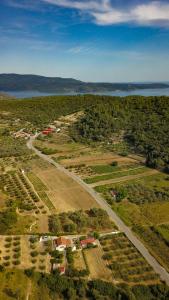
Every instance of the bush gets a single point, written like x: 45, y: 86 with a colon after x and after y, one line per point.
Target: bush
x: 16, y: 255
x: 29, y: 272
x: 6, y: 257
x: 1, y: 268
x: 107, y: 256
x: 17, y: 249
x: 114, y: 164
x: 34, y: 253
x: 16, y: 262
x: 8, y: 239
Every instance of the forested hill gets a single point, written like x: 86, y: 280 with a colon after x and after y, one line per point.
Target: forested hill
x: 143, y: 122
x: 16, y: 82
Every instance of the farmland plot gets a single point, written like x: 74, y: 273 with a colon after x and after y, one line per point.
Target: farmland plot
x: 64, y: 193
x: 97, y: 266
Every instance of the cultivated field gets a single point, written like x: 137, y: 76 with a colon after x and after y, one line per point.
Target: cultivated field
x: 96, y: 264
x: 145, y: 208
x: 24, y: 252
x: 79, y: 263
x: 125, y: 262
x: 64, y: 193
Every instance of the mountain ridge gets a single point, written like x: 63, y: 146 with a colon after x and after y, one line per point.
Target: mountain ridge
x: 32, y: 82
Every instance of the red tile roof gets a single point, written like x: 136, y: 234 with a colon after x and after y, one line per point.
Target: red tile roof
x: 61, y: 270
x: 87, y: 241
x: 62, y: 241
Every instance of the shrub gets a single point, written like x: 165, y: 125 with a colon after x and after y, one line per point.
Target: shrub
x: 6, y: 257
x: 7, y: 245
x: 6, y: 264
x: 16, y: 255
x: 17, y: 249
x: 8, y: 239
x: 29, y: 272
x: 107, y: 256
x: 16, y: 262
x: 1, y: 268
x: 17, y: 243
x: 34, y: 253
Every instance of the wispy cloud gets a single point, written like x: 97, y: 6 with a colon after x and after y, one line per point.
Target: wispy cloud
x: 104, y: 12
x: 24, y: 4
x: 80, y: 50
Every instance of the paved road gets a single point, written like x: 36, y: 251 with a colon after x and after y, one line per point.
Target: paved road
x: 164, y: 275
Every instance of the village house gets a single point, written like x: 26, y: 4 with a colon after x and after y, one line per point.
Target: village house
x: 62, y: 243
x: 88, y: 241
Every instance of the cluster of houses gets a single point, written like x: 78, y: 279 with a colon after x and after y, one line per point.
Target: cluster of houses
x: 62, y: 243
x: 21, y: 134
x: 25, y: 135
x: 50, y: 129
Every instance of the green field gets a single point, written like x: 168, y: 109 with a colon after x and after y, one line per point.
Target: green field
x: 101, y: 169
x: 116, y: 175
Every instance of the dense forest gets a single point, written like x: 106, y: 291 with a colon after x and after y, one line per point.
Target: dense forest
x: 142, y: 122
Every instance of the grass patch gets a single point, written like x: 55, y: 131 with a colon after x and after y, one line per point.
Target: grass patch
x: 37, y: 183
x: 44, y: 197
x: 101, y: 169
x: 116, y: 175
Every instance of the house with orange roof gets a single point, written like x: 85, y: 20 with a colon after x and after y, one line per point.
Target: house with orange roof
x: 62, y: 243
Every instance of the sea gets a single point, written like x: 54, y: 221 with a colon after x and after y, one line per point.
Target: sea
x: 142, y: 92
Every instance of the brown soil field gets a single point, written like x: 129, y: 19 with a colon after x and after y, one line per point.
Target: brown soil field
x: 64, y: 192
x: 43, y: 224
x: 97, y: 266
x: 97, y: 159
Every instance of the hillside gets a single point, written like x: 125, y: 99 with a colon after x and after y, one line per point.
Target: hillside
x: 4, y: 96
x: 142, y: 122
x: 16, y: 82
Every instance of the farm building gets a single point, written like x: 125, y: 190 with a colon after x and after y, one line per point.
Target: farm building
x: 88, y: 241
x: 62, y: 243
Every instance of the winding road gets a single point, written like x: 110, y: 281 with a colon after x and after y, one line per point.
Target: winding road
x: 164, y: 275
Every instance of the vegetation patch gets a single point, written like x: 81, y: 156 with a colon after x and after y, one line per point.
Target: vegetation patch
x: 79, y: 221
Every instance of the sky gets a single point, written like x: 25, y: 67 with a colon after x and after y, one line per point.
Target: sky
x: 90, y: 40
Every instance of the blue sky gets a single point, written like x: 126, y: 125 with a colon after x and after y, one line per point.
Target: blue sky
x: 94, y: 40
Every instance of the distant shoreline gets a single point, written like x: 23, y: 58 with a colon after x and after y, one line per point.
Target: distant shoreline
x: 140, y: 92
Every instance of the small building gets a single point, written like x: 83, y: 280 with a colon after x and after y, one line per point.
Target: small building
x: 88, y: 241
x: 45, y: 132
x: 62, y: 243
x: 45, y: 238
x: 113, y: 194
x: 62, y: 270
